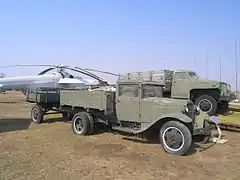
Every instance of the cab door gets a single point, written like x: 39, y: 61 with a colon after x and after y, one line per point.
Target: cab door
x: 127, y: 102
x: 181, y: 84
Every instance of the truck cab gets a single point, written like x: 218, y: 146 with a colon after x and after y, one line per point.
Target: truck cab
x: 207, y: 94
x: 144, y: 102
x: 141, y: 107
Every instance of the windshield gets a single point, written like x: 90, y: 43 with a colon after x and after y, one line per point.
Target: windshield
x: 193, y: 75
x: 149, y: 90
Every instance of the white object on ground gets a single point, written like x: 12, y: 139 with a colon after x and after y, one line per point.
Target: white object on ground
x: 218, y: 139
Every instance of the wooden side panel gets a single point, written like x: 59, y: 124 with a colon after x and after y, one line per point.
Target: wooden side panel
x: 49, y: 96
x: 83, y: 98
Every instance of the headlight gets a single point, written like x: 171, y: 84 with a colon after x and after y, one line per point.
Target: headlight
x: 189, y: 110
x: 186, y: 108
x: 197, y: 108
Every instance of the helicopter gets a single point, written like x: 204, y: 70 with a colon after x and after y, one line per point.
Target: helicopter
x: 57, y: 79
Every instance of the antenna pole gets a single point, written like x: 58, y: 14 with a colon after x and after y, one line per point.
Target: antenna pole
x: 207, y: 63
x: 236, y: 56
x: 195, y: 61
x: 220, y: 69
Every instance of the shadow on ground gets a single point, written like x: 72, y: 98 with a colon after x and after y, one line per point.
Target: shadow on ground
x: 10, y: 102
x: 8, y: 125
x: 196, y: 145
x: 98, y: 128
x: 53, y: 120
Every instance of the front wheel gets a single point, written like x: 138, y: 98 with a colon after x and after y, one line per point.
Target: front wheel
x: 207, y: 104
x: 175, y: 138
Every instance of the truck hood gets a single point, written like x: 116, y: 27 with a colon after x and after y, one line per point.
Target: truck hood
x: 156, y: 107
x: 204, y: 83
x: 166, y: 101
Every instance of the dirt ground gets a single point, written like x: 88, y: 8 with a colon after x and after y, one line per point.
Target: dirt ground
x: 51, y: 151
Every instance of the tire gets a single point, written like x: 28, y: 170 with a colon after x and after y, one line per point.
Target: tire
x: 84, y: 127
x: 37, y: 114
x: 91, y: 122
x: 210, y: 104
x: 184, y: 135
x: 224, y: 107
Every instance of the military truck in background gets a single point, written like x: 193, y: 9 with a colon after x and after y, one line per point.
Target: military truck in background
x: 135, y: 106
x: 211, y: 96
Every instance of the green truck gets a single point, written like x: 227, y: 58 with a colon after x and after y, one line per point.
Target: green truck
x: 211, y: 96
x: 133, y: 106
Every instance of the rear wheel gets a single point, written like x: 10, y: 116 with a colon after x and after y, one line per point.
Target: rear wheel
x: 175, y: 138
x: 207, y: 104
x: 91, y: 123
x: 80, y: 124
x: 37, y: 114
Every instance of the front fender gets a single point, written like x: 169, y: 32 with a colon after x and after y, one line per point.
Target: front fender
x: 179, y: 116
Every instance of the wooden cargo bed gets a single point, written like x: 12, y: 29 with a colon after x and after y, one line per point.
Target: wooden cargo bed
x: 97, y: 99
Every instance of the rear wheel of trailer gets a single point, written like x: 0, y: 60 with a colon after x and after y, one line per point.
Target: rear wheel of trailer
x: 37, y: 114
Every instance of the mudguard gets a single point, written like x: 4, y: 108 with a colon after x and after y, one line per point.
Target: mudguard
x: 179, y: 116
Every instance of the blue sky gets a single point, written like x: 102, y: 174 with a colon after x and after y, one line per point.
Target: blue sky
x: 121, y: 36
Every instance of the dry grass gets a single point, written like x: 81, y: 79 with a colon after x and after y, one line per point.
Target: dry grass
x: 51, y: 151
x: 233, y: 116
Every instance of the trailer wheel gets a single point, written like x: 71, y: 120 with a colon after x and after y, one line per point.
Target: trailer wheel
x: 37, y: 114
x: 207, y: 104
x: 175, y: 138
x: 80, y: 124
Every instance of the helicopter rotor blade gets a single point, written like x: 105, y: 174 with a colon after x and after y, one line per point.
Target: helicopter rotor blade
x: 36, y: 65
x: 88, y: 72
x: 8, y: 66
x: 46, y: 70
x: 80, y: 70
x: 104, y: 72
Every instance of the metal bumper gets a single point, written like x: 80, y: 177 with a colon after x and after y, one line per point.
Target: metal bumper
x: 224, y: 98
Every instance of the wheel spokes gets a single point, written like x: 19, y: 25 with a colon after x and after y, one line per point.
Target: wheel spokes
x: 35, y: 114
x: 79, y: 124
x: 173, y: 138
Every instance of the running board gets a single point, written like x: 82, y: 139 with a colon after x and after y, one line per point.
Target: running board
x: 125, y: 129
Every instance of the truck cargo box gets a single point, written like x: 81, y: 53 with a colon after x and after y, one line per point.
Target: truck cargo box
x: 161, y: 76
x: 95, y: 99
